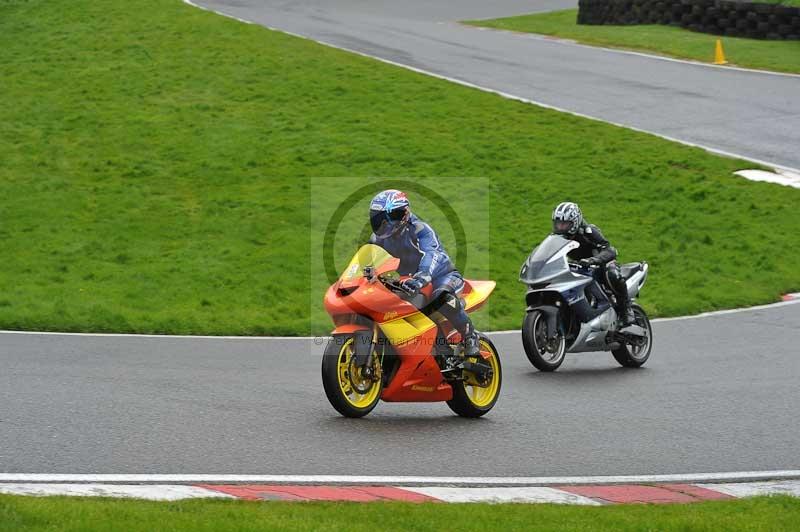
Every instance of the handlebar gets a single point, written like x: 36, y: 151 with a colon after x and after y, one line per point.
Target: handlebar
x: 579, y: 266
x: 394, y: 285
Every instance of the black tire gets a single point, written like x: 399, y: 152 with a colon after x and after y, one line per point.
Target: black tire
x: 531, y: 339
x: 341, y: 346
x: 464, y: 405
x: 635, y: 358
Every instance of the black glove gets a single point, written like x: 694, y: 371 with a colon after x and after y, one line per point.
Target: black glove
x: 591, y: 261
x: 413, y: 285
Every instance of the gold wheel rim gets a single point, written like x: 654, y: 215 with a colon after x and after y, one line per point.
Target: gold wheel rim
x: 344, y: 369
x: 482, y: 396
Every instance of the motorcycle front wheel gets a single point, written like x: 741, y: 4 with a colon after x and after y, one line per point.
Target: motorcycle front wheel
x: 349, y: 390
x: 544, y: 355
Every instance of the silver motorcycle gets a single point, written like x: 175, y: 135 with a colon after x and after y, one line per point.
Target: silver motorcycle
x: 571, y: 311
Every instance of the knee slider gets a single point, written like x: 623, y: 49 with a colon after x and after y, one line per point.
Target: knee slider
x: 614, y: 273
x: 446, y: 303
x: 451, y: 300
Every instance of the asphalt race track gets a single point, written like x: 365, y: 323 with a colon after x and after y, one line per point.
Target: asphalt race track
x: 719, y: 394
x: 753, y: 114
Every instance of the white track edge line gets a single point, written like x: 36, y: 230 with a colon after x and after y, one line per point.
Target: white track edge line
x: 155, y: 492
x: 710, y: 314
x: 322, y: 339
x: 573, y: 42
x: 162, y: 336
x: 510, y: 96
x: 399, y: 480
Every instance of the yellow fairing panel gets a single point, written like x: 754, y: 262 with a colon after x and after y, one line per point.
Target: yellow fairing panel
x: 367, y: 255
x: 401, y: 330
x: 481, y: 290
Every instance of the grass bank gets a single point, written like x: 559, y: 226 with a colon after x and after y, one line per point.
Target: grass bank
x: 158, y: 165
x: 780, y: 56
x: 795, y: 3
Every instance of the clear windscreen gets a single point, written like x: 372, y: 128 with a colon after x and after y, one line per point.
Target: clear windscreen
x: 537, y: 266
x: 367, y: 255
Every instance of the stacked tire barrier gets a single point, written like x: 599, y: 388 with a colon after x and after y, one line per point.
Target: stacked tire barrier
x: 720, y: 17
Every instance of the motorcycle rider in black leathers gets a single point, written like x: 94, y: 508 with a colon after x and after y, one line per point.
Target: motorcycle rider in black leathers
x: 594, y: 250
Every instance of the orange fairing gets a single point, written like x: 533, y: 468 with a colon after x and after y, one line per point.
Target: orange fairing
x: 349, y: 328
x: 411, y: 334
x: 354, y: 294
x: 476, y: 293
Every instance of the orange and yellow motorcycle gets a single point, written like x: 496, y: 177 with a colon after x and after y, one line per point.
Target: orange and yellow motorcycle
x: 384, y: 347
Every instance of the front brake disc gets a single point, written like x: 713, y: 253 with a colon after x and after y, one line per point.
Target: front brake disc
x: 361, y: 383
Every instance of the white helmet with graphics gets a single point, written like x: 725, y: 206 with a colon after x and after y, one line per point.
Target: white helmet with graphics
x: 567, y: 219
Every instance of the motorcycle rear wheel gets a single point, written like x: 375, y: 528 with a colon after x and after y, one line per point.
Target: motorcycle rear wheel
x: 471, y: 399
x: 341, y: 380
x: 534, y: 338
x: 634, y: 357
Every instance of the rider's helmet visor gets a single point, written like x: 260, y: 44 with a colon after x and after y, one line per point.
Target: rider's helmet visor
x: 562, y: 227
x: 385, y: 223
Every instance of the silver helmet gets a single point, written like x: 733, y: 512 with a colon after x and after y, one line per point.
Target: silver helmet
x: 567, y: 219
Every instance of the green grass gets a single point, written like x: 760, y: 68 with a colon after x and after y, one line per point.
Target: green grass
x: 782, y: 2
x: 75, y: 514
x: 781, y: 56
x: 157, y: 164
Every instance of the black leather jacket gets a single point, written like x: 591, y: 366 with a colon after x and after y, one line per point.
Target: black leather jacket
x: 593, y: 244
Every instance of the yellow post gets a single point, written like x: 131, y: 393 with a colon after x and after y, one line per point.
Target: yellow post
x: 719, y: 54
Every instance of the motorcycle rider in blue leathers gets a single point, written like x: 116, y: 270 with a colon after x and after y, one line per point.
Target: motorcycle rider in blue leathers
x: 422, y: 256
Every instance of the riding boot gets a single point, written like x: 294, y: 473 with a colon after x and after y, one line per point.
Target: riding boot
x: 451, y: 307
x: 620, y: 289
x: 628, y: 317
x: 471, y: 341
x: 624, y: 311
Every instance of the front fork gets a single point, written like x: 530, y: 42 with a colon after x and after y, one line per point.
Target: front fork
x: 364, y: 348
x: 551, y: 320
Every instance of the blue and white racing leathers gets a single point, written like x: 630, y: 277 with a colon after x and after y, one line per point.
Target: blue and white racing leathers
x: 422, y: 255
